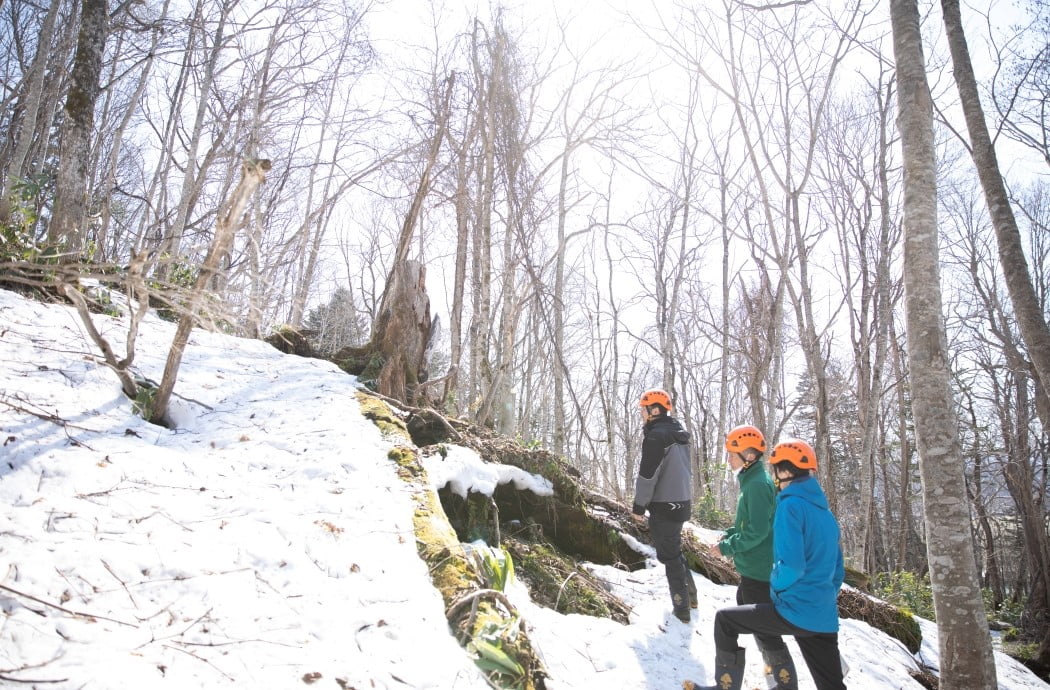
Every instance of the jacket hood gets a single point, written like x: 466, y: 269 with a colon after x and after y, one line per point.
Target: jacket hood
x: 806, y: 488
x: 669, y: 425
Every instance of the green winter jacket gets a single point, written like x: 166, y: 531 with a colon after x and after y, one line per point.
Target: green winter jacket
x: 750, y: 540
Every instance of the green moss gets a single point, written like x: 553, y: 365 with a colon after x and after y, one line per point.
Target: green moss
x: 453, y: 572
x: 291, y: 342
x: 436, y: 541
x: 382, y: 416
x: 557, y: 582
x: 478, y: 519
x: 858, y: 578
x: 408, y: 466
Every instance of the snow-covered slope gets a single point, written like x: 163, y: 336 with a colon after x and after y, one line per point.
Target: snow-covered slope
x: 267, y: 541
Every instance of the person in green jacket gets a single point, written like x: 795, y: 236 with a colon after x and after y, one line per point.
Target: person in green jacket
x: 749, y: 542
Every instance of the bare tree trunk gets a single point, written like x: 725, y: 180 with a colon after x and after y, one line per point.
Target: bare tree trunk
x: 109, y: 176
x: 558, y: 334
x: 462, y: 210
x: 609, y: 393
x: 1026, y: 304
x: 875, y: 240
x: 402, y: 331
x: 403, y: 325
x: 964, y: 643
x: 1020, y: 481
x: 992, y: 569
x: 194, y: 173
x: 253, y: 174
x: 1029, y: 312
x: 703, y: 479
x: 906, y: 528
x: 69, y: 215
x: 481, y: 269
x: 27, y: 132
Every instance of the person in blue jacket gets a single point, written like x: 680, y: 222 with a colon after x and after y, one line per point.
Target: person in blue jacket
x: 749, y: 542
x: 807, y: 572
x: 664, y: 488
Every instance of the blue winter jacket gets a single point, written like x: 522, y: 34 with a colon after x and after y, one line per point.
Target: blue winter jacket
x: 807, y: 559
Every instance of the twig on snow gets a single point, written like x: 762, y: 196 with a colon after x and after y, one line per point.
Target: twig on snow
x: 122, y: 583
x: 200, y: 658
x: 79, y: 614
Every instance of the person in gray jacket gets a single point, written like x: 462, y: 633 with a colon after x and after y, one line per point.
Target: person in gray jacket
x: 664, y: 489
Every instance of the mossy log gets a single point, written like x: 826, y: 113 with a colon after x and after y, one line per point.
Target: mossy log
x: 577, y: 521
x: 472, y: 608
x: 888, y: 618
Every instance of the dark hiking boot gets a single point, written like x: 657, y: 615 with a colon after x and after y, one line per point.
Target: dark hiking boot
x: 683, y: 615
x: 729, y: 672
x: 678, y: 583
x: 780, y: 669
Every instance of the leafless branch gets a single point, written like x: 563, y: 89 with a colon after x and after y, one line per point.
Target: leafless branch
x: 774, y: 5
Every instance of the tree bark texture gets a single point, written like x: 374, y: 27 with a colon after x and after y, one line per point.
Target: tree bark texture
x: 1030, y: 317
x: 69, y: 214
x: 964, y: 642
x: 402, y: 331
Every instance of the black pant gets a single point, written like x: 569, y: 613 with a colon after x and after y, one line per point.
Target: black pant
x: 820, y: 650
x: 667, y: 540
x: 751, y: 591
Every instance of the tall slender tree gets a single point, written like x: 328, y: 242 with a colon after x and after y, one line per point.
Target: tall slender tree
x: 1029, y: 311
x: 964, y: 642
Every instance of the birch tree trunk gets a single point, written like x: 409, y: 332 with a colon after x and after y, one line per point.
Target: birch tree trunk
x: 462, y: 211
x: 964, y: 642
x: 905, y: 542
x: 480, y: 334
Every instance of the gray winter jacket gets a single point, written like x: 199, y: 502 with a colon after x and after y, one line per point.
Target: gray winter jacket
x: 665, y: 476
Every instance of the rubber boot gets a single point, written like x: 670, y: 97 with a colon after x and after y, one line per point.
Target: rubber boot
x: 694, y: 600
x: 681, y: 612
x: 678, y: 579
x: 780, y: 670
x: 729, y: 672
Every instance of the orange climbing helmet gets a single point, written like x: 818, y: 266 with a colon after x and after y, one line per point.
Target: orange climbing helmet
x: 656, y: 396
x: 743, y: 437
x: 797, y: 452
